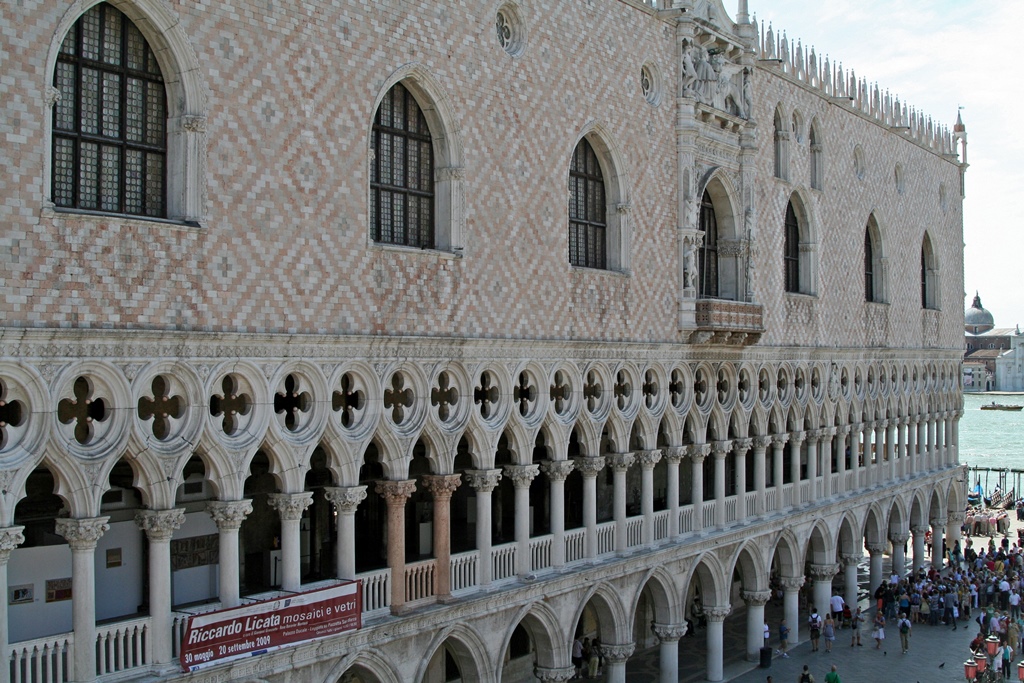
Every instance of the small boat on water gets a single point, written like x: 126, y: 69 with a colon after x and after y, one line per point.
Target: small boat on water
x: 1000, y: 406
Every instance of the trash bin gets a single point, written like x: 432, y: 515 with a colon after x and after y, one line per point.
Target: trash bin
x: 766, y: 658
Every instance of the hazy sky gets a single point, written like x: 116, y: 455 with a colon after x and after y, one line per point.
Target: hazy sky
x: 938, y: 55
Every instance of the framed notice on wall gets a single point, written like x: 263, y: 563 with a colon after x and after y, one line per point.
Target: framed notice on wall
x: 19, y: 595
x: 197, y: 551
x: 113, y: 558
x: 58, y: 590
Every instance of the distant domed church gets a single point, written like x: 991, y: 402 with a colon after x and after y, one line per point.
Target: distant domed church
x: 984, y: 343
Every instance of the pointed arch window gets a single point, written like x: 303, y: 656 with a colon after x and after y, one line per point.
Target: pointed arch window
x: 402, y: 173
x: 869, y: 267
x: 791, y: 252
x: 709, y: 249
x: 587, y: 220
x: 110, y: 122
x: 929, y: 275
x: 816, y: 168
x: 781, y: 140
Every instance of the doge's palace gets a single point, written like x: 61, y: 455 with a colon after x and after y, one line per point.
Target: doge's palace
x: 387, y: 341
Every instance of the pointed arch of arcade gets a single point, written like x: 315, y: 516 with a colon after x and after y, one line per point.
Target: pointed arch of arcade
x: 709, y: 571
x: 752, y: 566
x: 468, y: 648
x: 371, y: 661
x: 663, y: 591
x: 549, y: 641
x: 788, y: 547
x: 610, y: 613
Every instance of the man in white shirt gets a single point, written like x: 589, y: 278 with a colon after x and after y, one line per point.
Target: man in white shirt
x: 1014, y: 600
x: 836, y: 604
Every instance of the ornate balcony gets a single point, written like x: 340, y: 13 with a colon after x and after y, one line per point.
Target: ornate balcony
x: 727, y: 322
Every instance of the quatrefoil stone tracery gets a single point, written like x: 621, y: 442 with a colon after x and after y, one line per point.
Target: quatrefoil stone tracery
x: 398, y: 399
x: 230, y: 404
x: 349, y: 401
x: 444, y: 397
x: 161, y: 408
x: 12, y: 414
x: 82, y: 410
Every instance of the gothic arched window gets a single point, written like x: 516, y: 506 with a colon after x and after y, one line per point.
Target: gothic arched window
x: 587, y: 221
x: 110, y: 122
x: 708, y: 285
x: 402, y: 173
x: 791, y: 251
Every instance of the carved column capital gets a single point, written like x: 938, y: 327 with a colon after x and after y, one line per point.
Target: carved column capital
x: 290, y: 505
x: 698, y: 452
x: 557, y: 470
x: 780, y: 439
x: 345, y: 499
x: 617, y: 653
x: 620, y: 462
x: 814, y: 435
x: 956, y: 518
x: 648, y: 459
x: 938, y: 522
x: 160, y: 525
x: 483, y: 480
x: 843, y: 430
x: 913, y: 419
x: 673, y: 454
x: 10, y: 538
x: 791, y: 583
x: 797, y: 438
x: 590, y: 467
x: 899, y: 538
x: 547, y: 675
x: 919, y: 530
x: 741, y: 446
x: 194, y: 123
x: 762, y: 441
x: 721, y: 448
x: 395, y: 492
x: 668, y: 633
x: 522, y: 475
x: 229, y: 514
x: 756, y: 598
x: 718, y: 612
x: 824, y: 572
x: 51, y: 96
x: 849, y: 560
x: 875, y: 548
x: 83, y: 534
x: 442, y: 486
x: 904, y: 421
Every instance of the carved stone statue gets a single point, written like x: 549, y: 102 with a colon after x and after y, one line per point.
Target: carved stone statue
x: 689, y: 265
x: 689, y: 75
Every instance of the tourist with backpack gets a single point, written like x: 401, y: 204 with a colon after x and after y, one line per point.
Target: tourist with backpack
x: 805, y: 676
x: 814, y: 623
x: 904, y: 627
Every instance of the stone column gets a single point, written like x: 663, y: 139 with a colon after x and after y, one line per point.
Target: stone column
x: 901, y: 448
x: 778, y: 444
x: 547, y: 675
x: 911, y: 445
x: 756, y: 600
x: 947, y: 441
x: 620, y: 462
x: 345, y: 501
x: 843, y: 432
x: 878, y: 468
x: 920, y: 555
x: 791, y: 605
x: 159, y: 526
x: 875, y: 576
x: 739, y: 450
x: 557, y: 471
x: 938, y: 527
x: 697, y: 454
x: 822, y: 574
x: 796, y: 441
x: 483, y: 482
x: 825, y: 454
x: 955, y: 442
x: 290, y: 507
x: 668, y: 650
x: 395, y: 495
x: 590, y: 467
x: 83, y: 535
x: 899, y: 552
x: 850, y: 589
x: 615, y: 657
x: 10, y: 538
x: 720, y: 450
x: 930, y: 443
x: 716, y: 640
x: 228, y: 515
x: 673, y: 456
x: 890, y: 447
x: 954, y: 523
x: 522, y: 476
x: 647, y: 460
x: 813, y: 437
x: 441, y: 487
x: 761, y: 444
x: 856, y: 433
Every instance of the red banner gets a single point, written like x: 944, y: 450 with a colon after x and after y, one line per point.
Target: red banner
x: 263, y: 626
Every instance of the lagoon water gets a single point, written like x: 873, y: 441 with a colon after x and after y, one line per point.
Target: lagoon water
x: 992, y: 438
